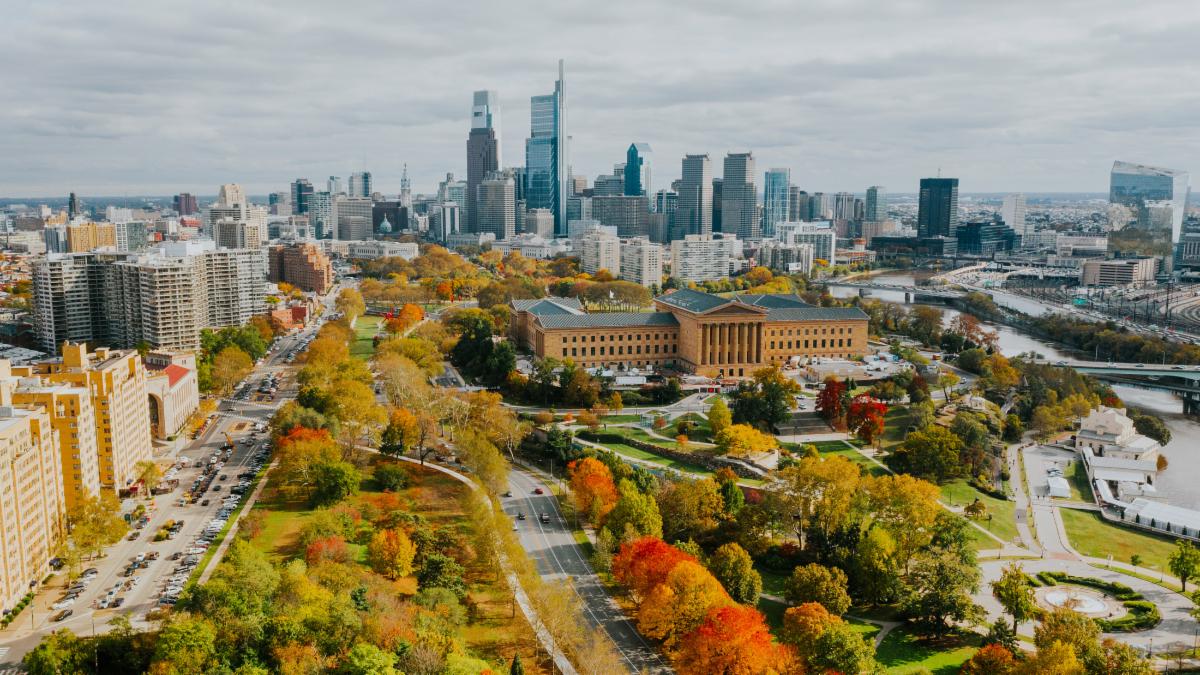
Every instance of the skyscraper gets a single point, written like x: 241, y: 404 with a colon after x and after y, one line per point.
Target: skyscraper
x: 843, y: 206
x: 797, y: 204
x: 360, y: 184
x: 546, y: 154
x: 693, y: 212
x: 334, y: 185
x: 637, y: 170
x: 302, y: 189
x: 185, y: 204
x: 937, y: 207
x: 776, y: 199
x: 876, y: 204
x: 483, y: 148
x: 1138, y: 186
x: 496, y: 205
x: 72, y: 206
x: 1012, y: 212
x: 739, y: 197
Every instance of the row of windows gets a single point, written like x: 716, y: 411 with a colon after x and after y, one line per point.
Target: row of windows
x: 619, y: 350
x: 617, y: 338
x: 837, y: 330
x: 841, y: 342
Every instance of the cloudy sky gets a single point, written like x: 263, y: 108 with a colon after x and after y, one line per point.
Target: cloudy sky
x: 155, y: 97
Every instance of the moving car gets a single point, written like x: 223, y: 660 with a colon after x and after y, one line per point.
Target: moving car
x: 545, y: 518
x: 538, y: 491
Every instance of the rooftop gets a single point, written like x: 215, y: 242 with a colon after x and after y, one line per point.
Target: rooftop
x: 693, y: 301
x: 548, y: 306
x: 608, y: 320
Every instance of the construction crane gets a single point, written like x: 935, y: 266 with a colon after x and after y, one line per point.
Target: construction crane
x: 228, y: 440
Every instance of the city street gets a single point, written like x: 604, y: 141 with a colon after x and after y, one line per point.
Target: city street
x: 236, y: 418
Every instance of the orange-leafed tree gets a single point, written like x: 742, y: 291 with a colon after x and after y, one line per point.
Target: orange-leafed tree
x: 677, y: 606
x: 594, y: 489
x: 733, y: 640
x: 332, y: 548
x: 993, y: 659
x: 410, y: 314
x: 391, y: 553
x: 804, y: 624
x: 645, y: 563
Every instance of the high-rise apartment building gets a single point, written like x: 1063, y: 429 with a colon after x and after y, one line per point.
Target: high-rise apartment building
x: 1012, y: 212
x: 360, y: 184
x: 739, y: 197
x: 630, y: 214
x: 483, y: 147
x: 877, y: 204
x: 232, y: 206
x: 600, y: 250
x: 496, y: 205
x: 641, y: 261
x: 117, y: 382
x: 823, y: 239
x: 72, y: 414
x: 302, y: 189
x: 334, y: 185
x: 776, y: 199
x: 693, y: 213
x: 31, y: 495
x: 303, y: 265
x: 84, y: 237
x: 236, y: 234
x: 701, y: 257
x: 937, y: 207
x: 547, y: 174
x: 820, y: 206
x: 637, y: 170
x: 185, y: 204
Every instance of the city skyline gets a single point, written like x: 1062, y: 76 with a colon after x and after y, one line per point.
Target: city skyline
x: 1019, y: 103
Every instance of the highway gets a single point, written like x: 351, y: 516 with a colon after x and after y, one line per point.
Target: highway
x: 559, y: 558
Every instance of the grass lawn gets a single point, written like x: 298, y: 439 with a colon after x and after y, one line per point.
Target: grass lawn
x: 1076, y: 476
x: 365, y: 329
x: 637, y: 453
x: 841, y: 448
x: 773, y: 580
x: 895, y: 427
x: 1003, y: 521
x: 639, y: 434
x: 1091, y: 535
x: 903, y: 652
x: 701, y: 432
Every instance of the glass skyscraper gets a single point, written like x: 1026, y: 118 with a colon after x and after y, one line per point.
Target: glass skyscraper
x: 546, y: 163
x: 876, y: 208
x: 776, y: 199
x: 1158, y: 197
x: 483, y: 149
x: 937, y: 207
x: 637, y: 170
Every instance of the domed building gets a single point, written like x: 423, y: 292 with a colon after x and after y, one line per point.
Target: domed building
x: 385, y: 227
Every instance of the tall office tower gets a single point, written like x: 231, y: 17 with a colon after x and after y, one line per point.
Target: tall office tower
x: 578, y: 185
x: 334, y: 185
x: 1012, y: 212
x: 278, y: 204
x: 117, y: 382
x: 496, y: 205
x: 630, y: 214
x: 1139, y: 187
x: 547, y: 173
x: 877, y: 205
x: 776, y: 199
x: 637, y: 170
x: 693, y: 213
x: 820, y: 206
x: 353, y: 216
x: 322, y: 216
x: 539, y: 222
x: 32, y: 513
x: 303, y: 265
x: 406, y: 199
x: 718, y: 223
x: 579, y: 208
x: 72, y: 206
x: 185, y: 204
x: 301, y: 191
x: 843, y: 206
x: 641, y: 261
x: 937, y: 207
x: 739, y: 197
x: 600, y: 250
x: 449, y: 220
x: 797, y: 204
x: 483, y: 147
x: 609, y: 185
x: 73, y: 417
x: 360, y: 184
x: 55, y: 237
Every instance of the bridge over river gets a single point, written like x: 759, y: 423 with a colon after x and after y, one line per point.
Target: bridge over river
x: 1184, y: 381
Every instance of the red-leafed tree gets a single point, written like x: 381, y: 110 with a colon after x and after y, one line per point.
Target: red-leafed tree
x: 645, y: 563
x: 733, y: 640
x: 993, y: 659
x: 865, y: 418
x: 831, y: 402
x: 331, y: 549
x: 593, y: 488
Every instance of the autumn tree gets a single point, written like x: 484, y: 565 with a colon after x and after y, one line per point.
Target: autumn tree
x: 732, y: 566
x: 690, y: 508
x: 401, y: 433
x: 826, y: 586
x: 832, y: 403
x: 817, y: 493
x: 932, y: 453
x: 230, y: 366
x: 766, y: 400
x: 907, y: 508
x: 679, y: 604
x: 865, y: 418
x: 634, y: 512
x: 733, y: 640
x: 743, y: 440
x: 391, y: 553
x: 593, y: 489
x: 719, y: 417
x: 350, y: 303
x: 644, y: 563
x: 992, y: 659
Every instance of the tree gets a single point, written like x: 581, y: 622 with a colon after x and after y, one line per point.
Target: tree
x: 842, y: 649
x: 593, y: 489
x: 877, y: 578
x: 230, y: 366
x: 817, y: 583
x: 803, y: 625
x: 817, y: 493
x: 644, y: 563
x: 932, y: 453
x: 732, y: 566
x: 1015, y: 595
x: 1056, y: 658
x: 95, y: 523
x: 516, y: 668
x: 148, y: 473
x: 58, y: 653
x: 367, y: 659
x: 831, y: 402
x: 186, y: 645
x: 948, y: 380
x: 391, y: 553
x: 992, y: 659
x: 732, y: 640
x: 766, y: 400
x: 401, y: 433
x: 679, y: 604
x: 940, y: 585
x: 719, y: 416
x: 1117, y: 658
x: 350, y: 303
x: 865, y: 418
x: 1067, y: 627
x: 971, y: 360
x: 634, y: 510
x: 333, y: 482
x: 441, y: 571
x: 1184, y: 562
x: 743, y: 440
x: 358, y: 415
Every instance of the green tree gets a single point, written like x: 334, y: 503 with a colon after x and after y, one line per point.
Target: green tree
x: 440, y: 571
x: 732, y: 497
x: 940, y: 584
x: 766, y: 400
x: 732, y: 566
x: 333, y: 482
x: 719, y: 416
x: 634, y: 510
x: 841, y: 649
x: 186, y: 645
x: 1015, y: 595
x: 58, y: 653
x: 931, y: 453
x: 1116, y: 658
x: 516, y: 668
x: 1184, y: 561
x: 877, y: 570
x: 1070, y: 628
x: 367, y: 659
x: 391, y: 477
x: 820, y: 584
x: 690, y: 508
x: 971, y: 360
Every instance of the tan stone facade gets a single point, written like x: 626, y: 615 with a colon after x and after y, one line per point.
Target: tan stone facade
x: 692, y: 331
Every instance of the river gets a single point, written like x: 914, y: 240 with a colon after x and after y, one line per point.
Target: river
x: 1183, y: 452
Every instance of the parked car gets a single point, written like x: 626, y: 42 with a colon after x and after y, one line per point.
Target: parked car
x: 62, y: 615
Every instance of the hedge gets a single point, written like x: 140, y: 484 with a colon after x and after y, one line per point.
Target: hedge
x: 1142, y: 615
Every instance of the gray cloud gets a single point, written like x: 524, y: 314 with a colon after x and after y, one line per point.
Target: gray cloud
x: 136, y: 96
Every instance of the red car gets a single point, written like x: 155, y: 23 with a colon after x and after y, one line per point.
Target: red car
x: 537, y: 491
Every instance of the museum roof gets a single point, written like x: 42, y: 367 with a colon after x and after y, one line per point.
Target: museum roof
x: 608, y: 320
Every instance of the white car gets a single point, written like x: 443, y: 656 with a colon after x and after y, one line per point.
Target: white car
x: 62, y: 604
